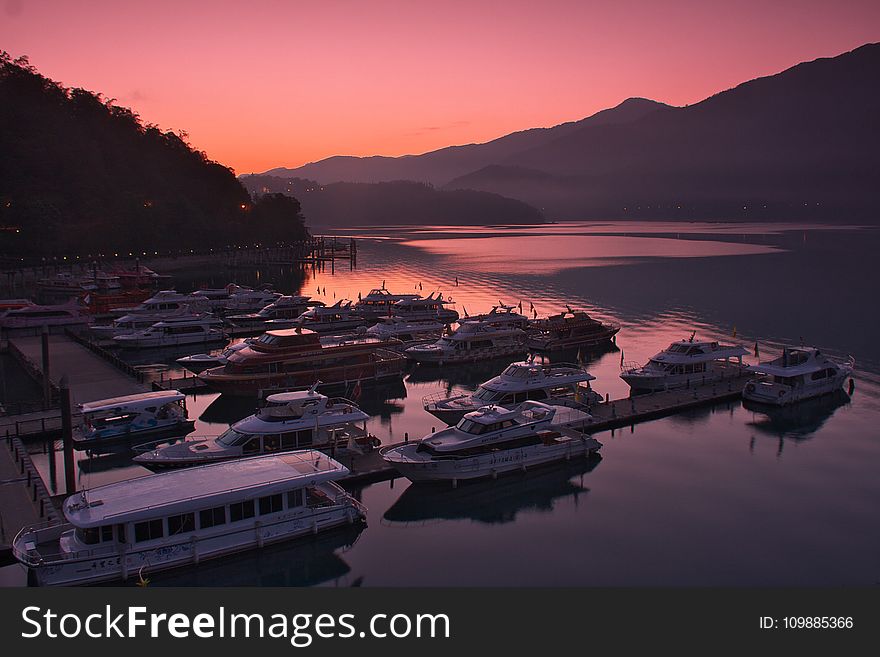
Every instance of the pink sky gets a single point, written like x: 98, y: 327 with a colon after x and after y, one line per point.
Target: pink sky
x: 267, y: 83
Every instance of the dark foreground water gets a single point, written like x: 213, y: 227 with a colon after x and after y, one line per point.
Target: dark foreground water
x: 716, y: 497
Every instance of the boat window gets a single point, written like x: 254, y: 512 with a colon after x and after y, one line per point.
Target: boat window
x: 185, y: 522
x: 106, y: 533
x: 212, y: 517
x: 88, y: 535
x: 304, y: 438
x: 232, y: 438
x: 252, y: 446
x: 288, y: 440
x: 271, y: 504
x: 271, y: 443
x: 539, y: 394
x: 148, y: 530
x: 294, y: 498
x: 241, y: 510
x: 150, y: 409
x: 120, y: 533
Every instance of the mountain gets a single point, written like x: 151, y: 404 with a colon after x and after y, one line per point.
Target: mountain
x: 803, y: 144
x: 440, y: 166
x: 392, y: 203
x: 799, y: 144
x: 80, y: 175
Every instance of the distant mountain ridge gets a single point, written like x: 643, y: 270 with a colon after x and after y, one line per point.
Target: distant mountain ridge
x: 801, y: 144
x: 443, y: 165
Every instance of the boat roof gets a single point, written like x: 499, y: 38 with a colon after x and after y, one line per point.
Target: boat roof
x: 525, y: 375
x: 190, y: 489
x: 695, y: 351
x: 794, y: 361
x: 494, y: 413
x: 295, y: 395
x: 133, y: 401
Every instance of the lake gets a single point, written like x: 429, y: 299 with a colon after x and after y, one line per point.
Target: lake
x: 718, y: 496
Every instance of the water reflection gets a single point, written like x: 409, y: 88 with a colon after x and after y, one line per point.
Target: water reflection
x: 493, y: 501
x: 796, y: 421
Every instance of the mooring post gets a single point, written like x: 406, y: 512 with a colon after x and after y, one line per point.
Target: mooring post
x: 47, y: 386
x: 67, y: 436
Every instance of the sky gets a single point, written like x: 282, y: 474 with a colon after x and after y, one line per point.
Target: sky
x: 264, y: 83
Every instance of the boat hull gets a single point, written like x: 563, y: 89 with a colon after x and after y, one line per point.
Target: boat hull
x: 774, y: 394
x: 111, y: 566
x: 81, y: 441
x: 492, y: 464
x: 438, y: 357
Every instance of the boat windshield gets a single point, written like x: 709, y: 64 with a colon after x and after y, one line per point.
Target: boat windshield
x: 469, y: 426
x: 484, y: 394
x: 232, y: 438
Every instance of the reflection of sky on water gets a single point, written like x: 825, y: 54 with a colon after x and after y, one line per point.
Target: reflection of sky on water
x: 716, y: 496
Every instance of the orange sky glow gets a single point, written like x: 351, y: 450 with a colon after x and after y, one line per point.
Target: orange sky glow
x: 271, y: 83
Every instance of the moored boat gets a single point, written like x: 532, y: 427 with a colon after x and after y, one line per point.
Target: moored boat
x: 172, y: 333
x: 178, y: 518
x: 132, y: 418
x: 471, y: 341
x: 799, y: 373
x: 572, y: 328
x: 296, y: 358
x: 379, y: 302
x: 551, y: 383
x: 684, y: 363
x: 341, y: 316
x: 289, y: 420
x: 423, y: 309
x: 494, y: 440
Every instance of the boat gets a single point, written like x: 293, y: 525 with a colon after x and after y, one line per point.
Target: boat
x: 247, y: 300
x: 65, y: 283
x: 471, y: 341
x: 139, y: 277
x: 167, y: 303
x: 324, y: 319
x: 197, y: 363
x: 36, y: 316
x: 128, y: 324
x: 423, y: 309
x: 170, y: 333
x: 501, y: 315
x: 133, y: 417
x: 379, y: 302
x: 571, y: 328
x: 289, y: 420
x: 799, y: 373
x: 182, y: 517
x: 552, y: 383
x: 409, y: 333
x: 686, y: 362
x: 217, y: 298
x: 283, y: 309
x: 296, y: 358
x: 494, y: 440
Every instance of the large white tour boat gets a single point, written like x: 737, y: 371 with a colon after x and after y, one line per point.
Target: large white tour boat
x: 183, y: 517
x: 494, y: 440
x: 172, y: 333
x: 423, y: 309
x: 378, y: 302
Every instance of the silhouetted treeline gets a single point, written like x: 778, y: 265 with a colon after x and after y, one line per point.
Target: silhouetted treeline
x: 394, y: 203
x: 79, y: 174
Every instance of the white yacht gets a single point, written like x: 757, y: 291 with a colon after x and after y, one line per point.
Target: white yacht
x: 285, y: 309
x: 166, y: 303
x: 128, y: 324
x: 552, y: 383
x: 471, y: 341
x: 429, y: 308
x: 289, y: 420
x: 133, y: 417
x: 247, y: 301
x: 323, y: 319
x: 501, y: 315
x: 218, y: 297
x: 799, y: 373
x: 494, y: 440
x: 197, y: 330
x: 409, y: 333
x: 198, y: 363
x: 684, y: 363
x: 180, y: 518
x: 379, y: 302
x: 35, y: 316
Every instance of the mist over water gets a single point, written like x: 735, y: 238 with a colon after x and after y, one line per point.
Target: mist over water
x: 716, y: 496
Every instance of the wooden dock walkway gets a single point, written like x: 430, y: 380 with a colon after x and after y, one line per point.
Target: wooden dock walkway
x: 91, y: 376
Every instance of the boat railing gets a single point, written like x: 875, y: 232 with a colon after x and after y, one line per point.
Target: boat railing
x: 442, y: 396
x: 26, y: 542
x: 630, y: 366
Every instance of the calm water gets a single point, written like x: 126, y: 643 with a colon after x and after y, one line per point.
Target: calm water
x: 718, y: 496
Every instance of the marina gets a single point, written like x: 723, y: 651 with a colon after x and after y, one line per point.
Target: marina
x: 396, y: 415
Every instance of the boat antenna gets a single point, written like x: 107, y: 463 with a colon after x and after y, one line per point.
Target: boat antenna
x: 314, y: 386
x: 693, y: 333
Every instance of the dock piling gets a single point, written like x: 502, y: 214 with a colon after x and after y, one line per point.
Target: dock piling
x: 67, y: 436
